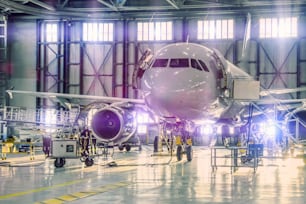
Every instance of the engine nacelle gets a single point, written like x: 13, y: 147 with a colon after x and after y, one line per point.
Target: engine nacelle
x: 296, y: 123
x: 113, y: 124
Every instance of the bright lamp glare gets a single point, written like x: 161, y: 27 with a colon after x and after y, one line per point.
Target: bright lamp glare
x: 142, y: 129
x: 262, y: 127
x: 206, y: 130
x: 231, y: 130
x: 142, y: 118
x: 268, y: 129
x: 50, y: 117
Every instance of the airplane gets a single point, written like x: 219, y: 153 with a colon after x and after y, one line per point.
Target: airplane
x: 184, y: 84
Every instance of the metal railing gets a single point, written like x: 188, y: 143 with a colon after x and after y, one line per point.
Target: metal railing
x: 48, y: 117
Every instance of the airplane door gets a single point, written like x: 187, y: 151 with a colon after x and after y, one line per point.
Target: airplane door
x: 142, y: 65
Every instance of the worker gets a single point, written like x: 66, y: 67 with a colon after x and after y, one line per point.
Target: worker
x: 93, y: 143
x: 84, y: 142
x: 225, y: 135
x: 47, y: 145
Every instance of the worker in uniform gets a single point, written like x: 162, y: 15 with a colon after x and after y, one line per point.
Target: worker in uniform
x: 84, y: 142
x: 93, y: 145
x: 225, y: 135
x: 47, y: 145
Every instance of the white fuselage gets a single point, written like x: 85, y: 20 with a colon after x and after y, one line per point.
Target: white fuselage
x: 185, y: 81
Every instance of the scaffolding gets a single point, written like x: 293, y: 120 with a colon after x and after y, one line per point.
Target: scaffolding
x: 4, y: 67
x: 45, y: 117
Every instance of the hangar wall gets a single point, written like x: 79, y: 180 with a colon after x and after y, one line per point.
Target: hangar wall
x: 22, y: 58
x: 73, y: 66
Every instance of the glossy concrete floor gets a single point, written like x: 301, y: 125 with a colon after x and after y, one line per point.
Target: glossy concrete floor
x: 140, y: 177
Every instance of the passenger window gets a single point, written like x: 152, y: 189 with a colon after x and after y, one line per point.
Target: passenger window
x: 179, y: 62
x: 195, y: 64
x: 160, y: 63
x: 204, y: 66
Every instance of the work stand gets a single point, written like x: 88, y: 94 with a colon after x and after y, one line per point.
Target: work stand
x: 236, y: 157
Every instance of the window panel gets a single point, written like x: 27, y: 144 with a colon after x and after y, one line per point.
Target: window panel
x: 140, y: 31
x: 262, y: 29
x: 211, y: 29
x: 200, y: 30
x: 163, y: 32
x: 94, y: 32
x: 154, y: 31
x: 278, y: 27
x: 145, y: 31
x: 157, y: 31
x: 294, y: 26
x: 100, y: 32
x: 268, y: 28
x: 224, y: 29
x: 206, y: 30
x: 230, y: 28
x: 215, y: 29
x: 218, y: 29
x: 51, y: 32
x: 274, y: 27
x: 169, y: 30
x: 151, y: 28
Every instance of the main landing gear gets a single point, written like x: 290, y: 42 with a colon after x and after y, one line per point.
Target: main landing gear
x: 175, y: 136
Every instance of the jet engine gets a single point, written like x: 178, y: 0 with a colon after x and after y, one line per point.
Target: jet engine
x: 113, y: 124
x: 296, y: 123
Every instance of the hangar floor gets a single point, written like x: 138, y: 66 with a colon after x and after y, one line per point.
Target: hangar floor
x: 140, y: 177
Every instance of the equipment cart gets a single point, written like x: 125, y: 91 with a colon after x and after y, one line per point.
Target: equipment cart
x: 68, y: 148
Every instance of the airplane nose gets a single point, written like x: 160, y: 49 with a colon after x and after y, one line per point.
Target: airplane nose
x: 169, y: 90
x: 167, y: 81
x: 173, y: 81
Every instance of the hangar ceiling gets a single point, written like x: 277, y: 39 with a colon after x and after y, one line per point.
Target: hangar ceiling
x: 116, y: 9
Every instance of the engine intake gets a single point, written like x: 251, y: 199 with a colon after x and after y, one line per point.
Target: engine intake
x: 113, y: 124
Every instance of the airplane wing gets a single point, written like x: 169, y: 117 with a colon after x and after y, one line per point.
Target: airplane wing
x: 62, y: 96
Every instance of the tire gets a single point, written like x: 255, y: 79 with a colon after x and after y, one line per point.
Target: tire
x: 59, y: 162
x: 179, y: 152
x: 128, y: 148
x: 121, y: 147
x: 189, y: 153
x: 156, y: 144
x: 89, y: 161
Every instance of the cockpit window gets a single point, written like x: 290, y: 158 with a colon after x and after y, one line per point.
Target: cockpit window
x: 204, y: 66
x: 160, y: 63
x: 195, y: 64
x: 179, y: 62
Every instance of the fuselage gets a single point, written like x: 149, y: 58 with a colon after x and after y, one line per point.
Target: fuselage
x: 185, y: 81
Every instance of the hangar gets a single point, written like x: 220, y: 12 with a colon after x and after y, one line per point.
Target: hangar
x: 222, y: 82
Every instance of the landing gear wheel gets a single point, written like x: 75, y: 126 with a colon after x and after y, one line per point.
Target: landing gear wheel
x: 89, y: 161
x: 156, y: 144
x: 59, y: 162
x: 128, y: 148
x: 121, y: 147
x: 189, y: 153
x: 179, y: 152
